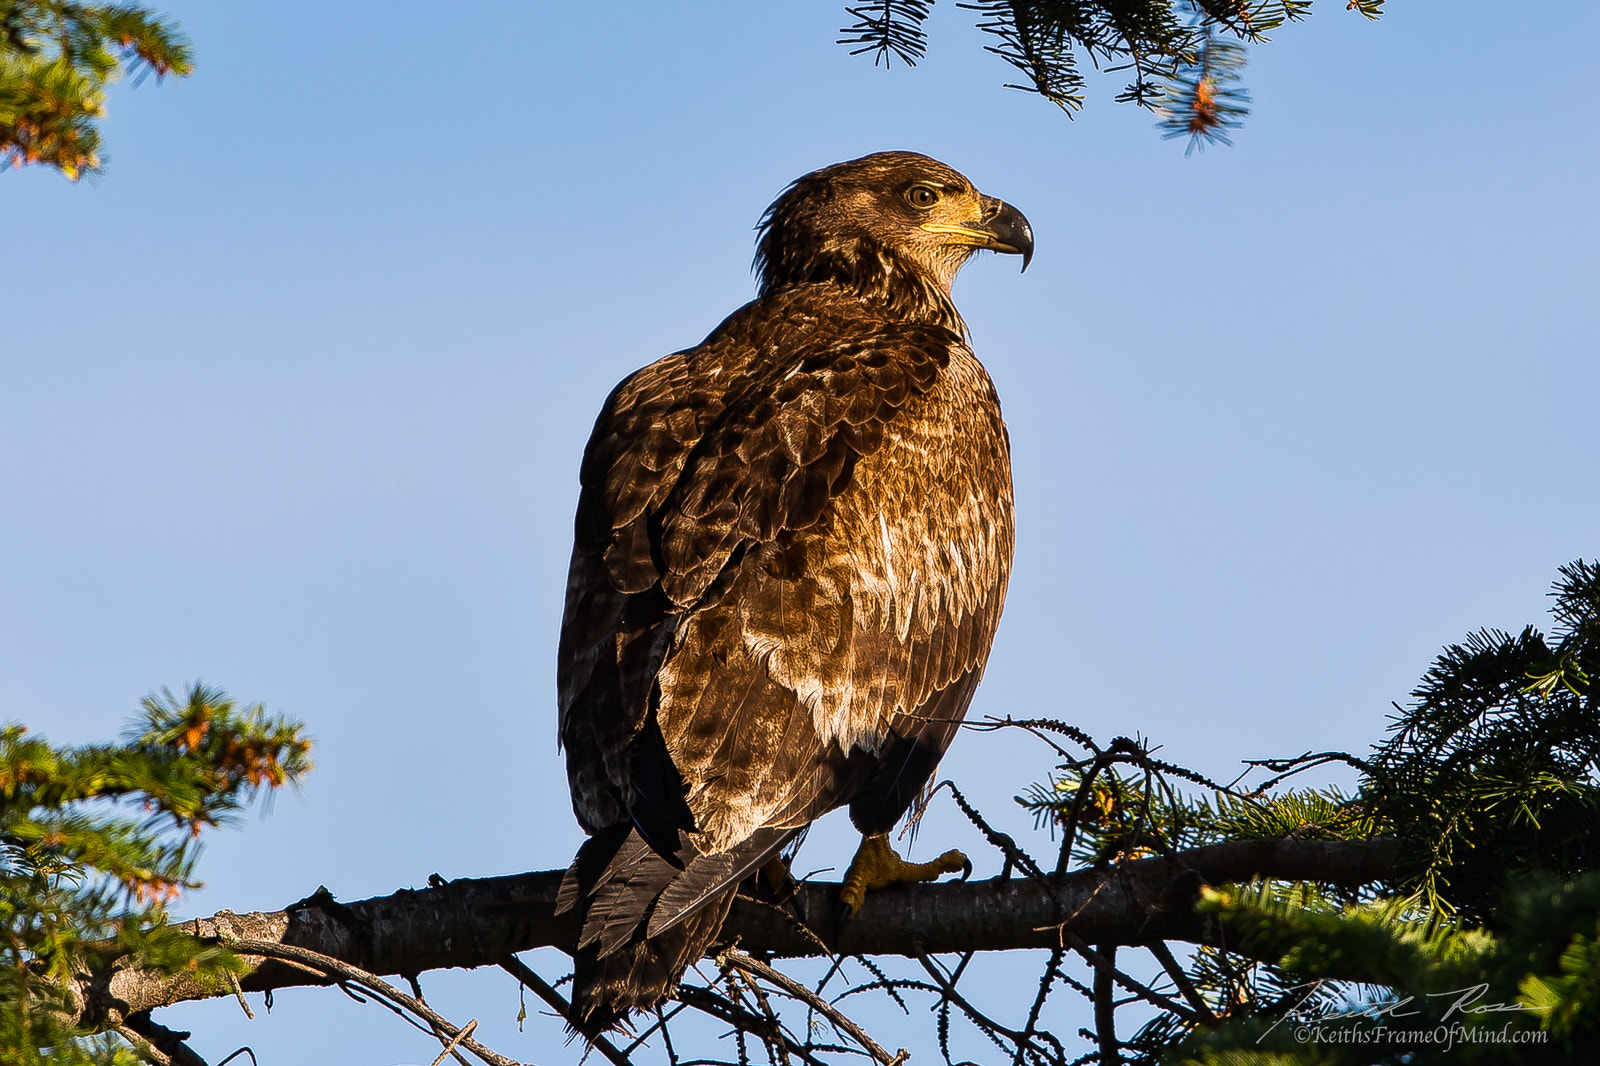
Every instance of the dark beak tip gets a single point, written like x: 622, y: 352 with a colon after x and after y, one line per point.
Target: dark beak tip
x: 1012, y: 227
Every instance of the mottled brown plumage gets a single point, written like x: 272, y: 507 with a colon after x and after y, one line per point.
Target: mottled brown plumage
x: 791, y: 551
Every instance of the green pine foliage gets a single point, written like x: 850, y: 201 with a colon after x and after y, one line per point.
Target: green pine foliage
x: 1202, y: 99
x: 1494, y: 767
x: 1491, y: 779
x: 1120, y: 815
x: 889, y: 29
x: 1183, y: 56
x: 1558, y: 930
x: 96, y: 841
x: 56, y: 61
x: 1305, y: 813
x: 1526, y: 993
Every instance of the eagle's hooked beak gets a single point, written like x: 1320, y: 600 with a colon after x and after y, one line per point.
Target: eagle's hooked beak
x: 1011, y: 232
x: 1002, y: 229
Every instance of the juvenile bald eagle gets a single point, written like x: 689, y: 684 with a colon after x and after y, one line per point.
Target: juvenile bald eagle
x: 791, y: 551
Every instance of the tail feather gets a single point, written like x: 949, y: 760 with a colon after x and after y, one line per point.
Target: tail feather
x: 706, y: 874
x: 682, y: 896
x: 608, y: 988
x: 645, y: 920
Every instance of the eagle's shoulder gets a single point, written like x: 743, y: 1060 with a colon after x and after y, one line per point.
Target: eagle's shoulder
x: 746, y: 435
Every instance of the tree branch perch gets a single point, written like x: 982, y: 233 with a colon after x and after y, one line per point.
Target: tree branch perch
x: 474, y: 922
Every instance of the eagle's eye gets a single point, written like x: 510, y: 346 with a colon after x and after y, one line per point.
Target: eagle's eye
x: 923, y: 196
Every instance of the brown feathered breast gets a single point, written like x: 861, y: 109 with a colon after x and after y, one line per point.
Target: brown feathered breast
x: 791, y: 551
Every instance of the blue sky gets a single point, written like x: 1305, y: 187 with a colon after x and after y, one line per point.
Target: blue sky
x: 292, y: 397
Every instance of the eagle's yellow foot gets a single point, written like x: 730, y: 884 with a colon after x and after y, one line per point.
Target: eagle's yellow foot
x: 877, y: 866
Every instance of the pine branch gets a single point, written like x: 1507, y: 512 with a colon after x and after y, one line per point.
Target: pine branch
x: 57, y: 60
x: 1203, y: 100
x: 889, y: 28
x: 94, y: 842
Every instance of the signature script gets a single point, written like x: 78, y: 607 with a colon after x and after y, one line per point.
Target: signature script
x: 1462, y: 1002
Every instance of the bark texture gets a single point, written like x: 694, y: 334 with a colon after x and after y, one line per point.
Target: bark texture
x: 480, y: 921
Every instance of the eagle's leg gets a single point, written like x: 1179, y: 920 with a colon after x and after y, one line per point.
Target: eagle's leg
x: 877, y: 866
x: 774, y: 883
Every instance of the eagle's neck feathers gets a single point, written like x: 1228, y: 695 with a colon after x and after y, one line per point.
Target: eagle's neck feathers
x: 872, y: 274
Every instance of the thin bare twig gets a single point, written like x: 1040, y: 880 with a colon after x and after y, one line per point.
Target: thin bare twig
x: 143, y: 1046
x: 989, y: 1026
x: 1105, y: 1009
x: 450, y: 1048
x: 662, y: 1018
x: 1085, y: 789
x: 775, y: 1048
x: 1039, y: 727
x: 1103, y: 965
x: 1189, y: 775
x: 1001, y: 841
x: 666, y: 1034
x: 1045, y: 981
x: 416, y: 990
x: 1185, y: 986
x: 883, y: 980
x: 167, y: 1045
x: 737, y: 999
x: 373, y: 983
x: 1298, y: 764
x: 801, y: 994
x: 239, y: 995
x: 545, y: 991
x: 720, y: 1007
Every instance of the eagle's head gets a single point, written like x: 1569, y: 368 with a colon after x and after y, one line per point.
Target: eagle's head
x: 892, y: 226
